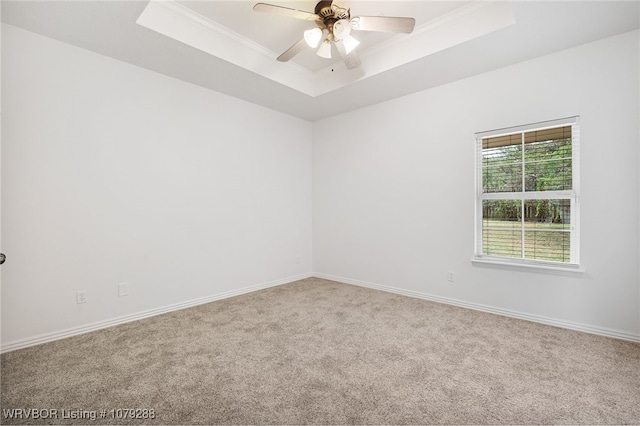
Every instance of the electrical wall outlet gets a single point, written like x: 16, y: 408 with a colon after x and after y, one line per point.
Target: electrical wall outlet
x: 450, y: 277
x: 123, y: 289
x: 81, y: 296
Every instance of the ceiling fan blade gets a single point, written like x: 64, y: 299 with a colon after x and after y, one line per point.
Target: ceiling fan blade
x: 388, y: 24
x: 292, y: 51
x: 351, y: 60
x: 285, y: 11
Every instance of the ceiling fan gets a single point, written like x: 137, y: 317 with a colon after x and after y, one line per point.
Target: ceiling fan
x: 334, y: 25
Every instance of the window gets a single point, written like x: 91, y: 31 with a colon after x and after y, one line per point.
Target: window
x: 527, y: 194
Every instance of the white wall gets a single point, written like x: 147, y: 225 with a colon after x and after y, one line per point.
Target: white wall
x: 112, y: 173
x: 393, y: 190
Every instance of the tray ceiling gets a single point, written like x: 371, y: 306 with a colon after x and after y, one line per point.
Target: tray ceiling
x: 232, y: 31
x: 238, y: 46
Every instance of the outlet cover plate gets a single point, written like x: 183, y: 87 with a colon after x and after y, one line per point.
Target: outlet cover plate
x: 123, y: 289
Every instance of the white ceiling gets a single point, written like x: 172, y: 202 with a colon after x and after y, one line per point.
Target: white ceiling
x: 233, y: 32
x: 236, y: 54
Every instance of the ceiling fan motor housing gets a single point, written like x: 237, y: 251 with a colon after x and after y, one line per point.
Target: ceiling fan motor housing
x: 330, y: 14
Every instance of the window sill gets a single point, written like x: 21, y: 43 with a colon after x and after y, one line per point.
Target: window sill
x: 556, y: 269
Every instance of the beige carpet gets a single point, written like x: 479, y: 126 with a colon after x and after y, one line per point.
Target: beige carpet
x: 321, y: 352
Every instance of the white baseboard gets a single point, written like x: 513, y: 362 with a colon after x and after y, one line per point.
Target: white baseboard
x: 49, y: 337
x: 484, y: 308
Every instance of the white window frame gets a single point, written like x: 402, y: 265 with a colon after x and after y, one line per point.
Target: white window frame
x: 573, y: 265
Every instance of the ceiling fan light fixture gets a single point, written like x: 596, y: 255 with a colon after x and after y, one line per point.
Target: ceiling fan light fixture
x: 313, y: 37
x: 325, y: 49
x: 341, y: 29
x: 350, y: 43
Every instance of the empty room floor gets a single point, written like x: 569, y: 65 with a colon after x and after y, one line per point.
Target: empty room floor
x: 321, y: 352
